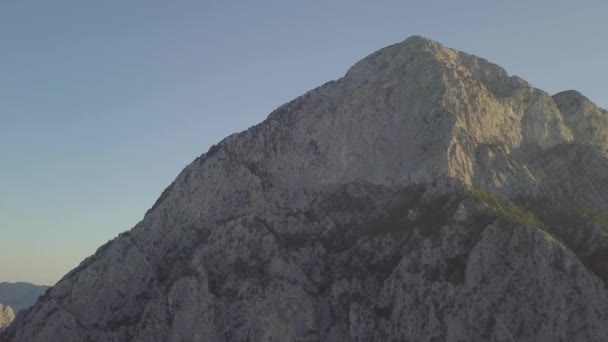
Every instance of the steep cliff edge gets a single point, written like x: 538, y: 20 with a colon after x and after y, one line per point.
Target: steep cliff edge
x: 412, y: 199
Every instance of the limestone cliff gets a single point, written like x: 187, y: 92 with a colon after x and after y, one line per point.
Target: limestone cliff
x: 426, y: 195
x: 6, y: 316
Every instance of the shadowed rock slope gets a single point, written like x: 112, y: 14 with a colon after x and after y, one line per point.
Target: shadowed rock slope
x: 426, y: 196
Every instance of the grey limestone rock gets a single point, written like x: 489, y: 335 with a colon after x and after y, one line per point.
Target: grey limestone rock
x: 363, y: 211
x: 7, y: 315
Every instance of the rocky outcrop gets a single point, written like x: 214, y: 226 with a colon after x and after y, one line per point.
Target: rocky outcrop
x: 6, y: 316
x: 412, y: 199
x: 587, y: 122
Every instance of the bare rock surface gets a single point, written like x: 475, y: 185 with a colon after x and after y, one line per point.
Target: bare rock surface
x: 413, y: 199
x: 7, y: 315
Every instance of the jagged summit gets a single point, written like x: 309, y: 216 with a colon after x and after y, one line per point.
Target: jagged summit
x: 573, y: 99
x: 588, y: 122
x: 412, y: 199
x: 440, y: 106
x: 571, y: 93
x: 426, y: 50
x: 416, y: 38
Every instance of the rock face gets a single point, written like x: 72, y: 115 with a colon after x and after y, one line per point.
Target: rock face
x: 6, y: 316
x: 426, y: 195
x: 20, y: 295
x: 589, y: 123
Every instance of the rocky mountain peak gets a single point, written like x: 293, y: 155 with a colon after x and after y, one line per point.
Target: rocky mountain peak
x: 588, y: 122
x: 425, y: 195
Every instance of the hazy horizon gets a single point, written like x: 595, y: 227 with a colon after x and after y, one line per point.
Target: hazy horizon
x: 102, y: 104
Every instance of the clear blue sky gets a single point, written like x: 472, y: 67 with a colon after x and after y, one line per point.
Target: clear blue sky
x: 102, y: 103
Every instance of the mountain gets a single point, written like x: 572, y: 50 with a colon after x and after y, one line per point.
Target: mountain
x: 427, y: 195
x: 6, y: 316
x: 20, y: 295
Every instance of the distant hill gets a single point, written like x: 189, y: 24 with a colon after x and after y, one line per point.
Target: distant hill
x: 20, y: 296
x: 7, y: 315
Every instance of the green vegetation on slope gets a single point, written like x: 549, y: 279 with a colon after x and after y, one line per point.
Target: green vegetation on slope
x: 510, y: 211
x: 555, y: 213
